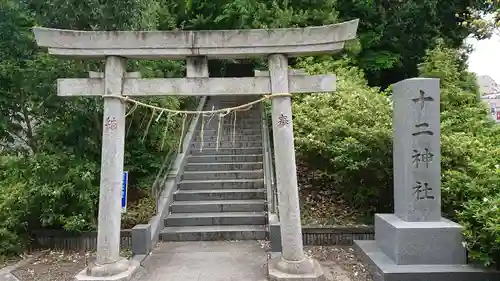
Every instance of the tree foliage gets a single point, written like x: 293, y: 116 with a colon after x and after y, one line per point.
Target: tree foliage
x: 395, y: 35
x: 485, y: 21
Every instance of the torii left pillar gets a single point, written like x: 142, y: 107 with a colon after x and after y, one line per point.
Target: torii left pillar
x: 109, y: 265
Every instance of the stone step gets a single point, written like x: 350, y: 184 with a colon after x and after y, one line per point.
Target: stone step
x: 228, y: 166
x: 222, y: 184
x: 229, y: 129
x: 207, y: 158
x: 217, y: 218
x: 251, y: 114
x: 243, y: 121
x: 226, y: 144
x: 227, y: 151
x: 228, y: 122
x: 209, y: 132
x: 228, y: 137
x: 219, y: 194
x: 213, y: 233
x: 241, y: 118
x: 253, y: 205
x: 223, y: 175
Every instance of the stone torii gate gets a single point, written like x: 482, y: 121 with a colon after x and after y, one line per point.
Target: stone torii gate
x: 196, y: 47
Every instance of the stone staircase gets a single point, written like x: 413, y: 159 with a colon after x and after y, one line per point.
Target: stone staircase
x: 221, y: 194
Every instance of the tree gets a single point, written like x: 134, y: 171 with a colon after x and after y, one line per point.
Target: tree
x: 57, y: 185
x: 485, y: 21
x: 395, y: 35
x: 16, y: 48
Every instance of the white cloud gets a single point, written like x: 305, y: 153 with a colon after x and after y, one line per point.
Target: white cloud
x: 485, y: 59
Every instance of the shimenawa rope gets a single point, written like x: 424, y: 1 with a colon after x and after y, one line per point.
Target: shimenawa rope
x: 210, y: 113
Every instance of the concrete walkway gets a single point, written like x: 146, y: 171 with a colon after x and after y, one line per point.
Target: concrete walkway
x: 205, y: 261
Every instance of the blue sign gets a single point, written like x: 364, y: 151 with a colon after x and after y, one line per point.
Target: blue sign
x: 124, y: 191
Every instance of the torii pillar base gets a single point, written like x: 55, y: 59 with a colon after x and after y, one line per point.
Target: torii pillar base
x: 122, y: 270
x: 306, y: 270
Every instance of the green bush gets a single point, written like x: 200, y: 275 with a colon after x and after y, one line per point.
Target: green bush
x: 53, y: 191
x: 347, y: 136
x: 139, y: 213
x: 10, y: 244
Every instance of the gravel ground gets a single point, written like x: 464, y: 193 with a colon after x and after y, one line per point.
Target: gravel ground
x: 54, y: 266
x: 340, y: 263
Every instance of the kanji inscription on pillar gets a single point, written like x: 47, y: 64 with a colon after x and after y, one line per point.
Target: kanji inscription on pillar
x: 111, y: 123
x: 422, y: 129
x: 422, y: 190
x: 421, y: 99
x: 283, y: 120
x: 422, y: 158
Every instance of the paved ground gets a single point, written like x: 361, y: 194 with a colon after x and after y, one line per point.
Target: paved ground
x: 220, y: 261
x: 205, y: 261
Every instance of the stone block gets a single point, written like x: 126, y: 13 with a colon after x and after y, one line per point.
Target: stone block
x: 141, y: 239
x: 419, y: 242
x: 382, y: 268
x: 274, y: 233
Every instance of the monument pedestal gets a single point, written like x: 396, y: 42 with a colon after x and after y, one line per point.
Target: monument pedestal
x: 426, y: 242
x: 419, y: 251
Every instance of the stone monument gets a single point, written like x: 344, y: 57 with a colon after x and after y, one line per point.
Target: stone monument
x: 197, y: 47
x: 416, y: 243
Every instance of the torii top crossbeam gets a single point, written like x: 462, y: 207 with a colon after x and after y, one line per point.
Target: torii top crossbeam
x: 220, y: 44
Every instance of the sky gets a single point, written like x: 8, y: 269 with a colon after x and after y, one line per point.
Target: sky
x: 485, y: 59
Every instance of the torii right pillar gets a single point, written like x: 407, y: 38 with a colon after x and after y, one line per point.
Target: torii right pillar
x: 293, y: 263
